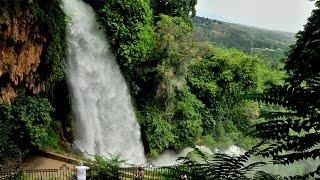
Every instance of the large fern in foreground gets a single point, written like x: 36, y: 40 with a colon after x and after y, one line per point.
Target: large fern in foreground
x: 294, y: 134
x: 221, y: 166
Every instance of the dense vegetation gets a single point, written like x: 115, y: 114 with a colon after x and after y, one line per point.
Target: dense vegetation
x: 268, y: 45
x: 28, y: 122
x: 25, y: 124
x: 185, y: 92
x: 104, y: 169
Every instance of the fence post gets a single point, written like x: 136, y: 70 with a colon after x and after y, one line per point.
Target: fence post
x: 82, y: 172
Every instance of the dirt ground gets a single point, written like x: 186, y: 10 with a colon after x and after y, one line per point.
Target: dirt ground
x: 40, y: 162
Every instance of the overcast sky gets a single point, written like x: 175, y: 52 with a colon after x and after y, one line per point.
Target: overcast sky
x: 284, y: 15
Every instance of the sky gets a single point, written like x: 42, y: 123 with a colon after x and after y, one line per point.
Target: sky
x: 283, y: 15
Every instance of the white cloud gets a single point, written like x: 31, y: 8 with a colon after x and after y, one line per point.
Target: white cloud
x: 285, y: 15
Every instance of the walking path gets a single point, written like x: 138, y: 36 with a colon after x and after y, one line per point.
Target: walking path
x: 48, y: 160
x: 41, y: 162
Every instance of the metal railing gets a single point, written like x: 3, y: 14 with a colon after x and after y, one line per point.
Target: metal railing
x: 63, y: 173
x: 67, y: 173
x: 149, y: 173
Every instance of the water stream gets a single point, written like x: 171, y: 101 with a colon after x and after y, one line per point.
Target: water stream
x: 105, y: 119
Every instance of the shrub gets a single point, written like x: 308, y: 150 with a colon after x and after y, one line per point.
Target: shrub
x: 25, y: 124
x: 104, y: 168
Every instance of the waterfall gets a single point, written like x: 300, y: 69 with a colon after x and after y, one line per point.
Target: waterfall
x: 105, y: 120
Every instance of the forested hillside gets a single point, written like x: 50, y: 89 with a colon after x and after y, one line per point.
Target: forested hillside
x: 268, y: 45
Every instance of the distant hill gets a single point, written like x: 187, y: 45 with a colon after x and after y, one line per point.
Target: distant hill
x: 269, y: 45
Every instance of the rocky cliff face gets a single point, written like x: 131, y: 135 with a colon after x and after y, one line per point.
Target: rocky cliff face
x: 21, y: 46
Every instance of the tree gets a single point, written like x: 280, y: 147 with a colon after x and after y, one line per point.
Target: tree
x: 219, y: 81
x: 303, y: 59
x: 170, y: 113
x: 181, y: 8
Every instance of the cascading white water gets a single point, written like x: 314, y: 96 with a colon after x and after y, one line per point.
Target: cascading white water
x: 105, y: 120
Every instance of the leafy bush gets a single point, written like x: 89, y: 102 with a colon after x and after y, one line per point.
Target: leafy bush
x: 176, y: 126
x: 26, y: 124
x: 159, y: 133
x: 104, y: 169
x: 179, y: 8
x: 187, y: 119
x: 10, y: 152
x: 33, y: 115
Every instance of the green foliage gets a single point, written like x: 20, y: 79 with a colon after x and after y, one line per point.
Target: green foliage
x: 219, y: 81
x: 35, y: 116
x: 159, y: 132
x: 30, y: 118
x: 265, y: 176
x: 52, y: 22
x: 173, y: 53
x: 210, y: 103
x: 176, y: 126
x: 9, y: 150
x: 180, y: 8
x: 291, y: 135
x: 25, y: 124
x: 187, y: 118
x: 198, y: 87
x: 104, y: 169
x: 267, y: 77
x: 223, y: 76
x: 169, y: 102
x: 303, y: 58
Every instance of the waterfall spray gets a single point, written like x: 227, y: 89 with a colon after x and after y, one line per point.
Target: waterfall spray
x: 105, y: 119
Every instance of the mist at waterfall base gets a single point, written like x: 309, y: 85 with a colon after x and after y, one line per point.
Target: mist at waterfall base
x: 105, y: 120
x: 170, y: 157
